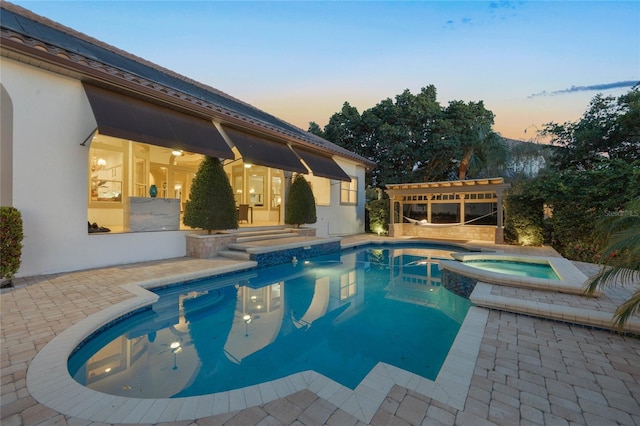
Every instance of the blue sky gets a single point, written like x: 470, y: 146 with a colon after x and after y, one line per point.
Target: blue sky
x: 530, y: 62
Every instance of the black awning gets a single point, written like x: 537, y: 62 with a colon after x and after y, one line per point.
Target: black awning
x: 265, y: 152
x: 321, y: 165
x: 125, y: 117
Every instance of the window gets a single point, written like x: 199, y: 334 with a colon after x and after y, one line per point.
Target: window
x: 415, y: 211
x: 276, y: 191
x: 106, y: 171
x: 445, y: 213
x: 348, y: 286
x: 349, y: 192
x: 481, y: 213
x: 120, y: 169
x: 256, y: 190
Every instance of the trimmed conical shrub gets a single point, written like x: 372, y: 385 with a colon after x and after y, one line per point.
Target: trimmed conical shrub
x: 301, y: 205
x: 211, y: 205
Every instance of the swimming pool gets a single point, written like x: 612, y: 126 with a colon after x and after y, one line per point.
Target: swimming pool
x: 513, y: 267
x: 338, y: 315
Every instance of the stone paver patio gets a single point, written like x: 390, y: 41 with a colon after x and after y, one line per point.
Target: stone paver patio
x: 528, y: 370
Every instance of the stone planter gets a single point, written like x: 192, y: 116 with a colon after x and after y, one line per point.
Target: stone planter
x: 204, y: 246
x: 305, y: 232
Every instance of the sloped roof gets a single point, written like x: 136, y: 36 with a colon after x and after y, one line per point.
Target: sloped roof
x: 27, y: 33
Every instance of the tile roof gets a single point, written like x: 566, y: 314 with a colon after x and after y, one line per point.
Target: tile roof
x: 25, y: 31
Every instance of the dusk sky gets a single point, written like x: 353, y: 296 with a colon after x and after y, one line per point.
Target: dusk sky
x: 530, y: 62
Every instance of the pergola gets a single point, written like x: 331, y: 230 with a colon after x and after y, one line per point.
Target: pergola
x: 456, y: 210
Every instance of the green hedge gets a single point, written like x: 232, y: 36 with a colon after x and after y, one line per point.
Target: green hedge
x: 524, y: 222
x: 378, y: 216
x: 10, y: 241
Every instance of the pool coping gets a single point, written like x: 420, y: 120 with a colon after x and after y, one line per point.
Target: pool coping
x: 572, y: 280
x: 49, y: 382
x: 482, y: 297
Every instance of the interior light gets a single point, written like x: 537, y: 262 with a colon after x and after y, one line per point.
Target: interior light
x: 176, y: 153
x: 247, y: 166
x: 102, y: 162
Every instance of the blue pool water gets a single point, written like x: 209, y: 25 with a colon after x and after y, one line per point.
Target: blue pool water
x: 337, y: 314
x: 521, y: 269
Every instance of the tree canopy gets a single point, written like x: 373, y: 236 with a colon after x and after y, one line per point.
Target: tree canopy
x: 608, y: 130
x: 413, y: 138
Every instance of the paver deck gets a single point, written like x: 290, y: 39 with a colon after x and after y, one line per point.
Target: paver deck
x: 528, y: 370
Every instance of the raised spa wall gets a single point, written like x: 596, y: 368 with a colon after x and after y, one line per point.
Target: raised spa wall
x: 458, y: 284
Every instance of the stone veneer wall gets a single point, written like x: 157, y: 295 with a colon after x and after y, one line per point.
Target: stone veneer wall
x: 458, y: 284
x: 306, y: 232
x: 460, y: 232
x: 204, y: 246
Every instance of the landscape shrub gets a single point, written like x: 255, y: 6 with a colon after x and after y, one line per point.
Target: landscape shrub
x: 378, y: 212
x: 301, y: 204
x: 11, y: 235
x: 524, y: 224
x: 211, y: 203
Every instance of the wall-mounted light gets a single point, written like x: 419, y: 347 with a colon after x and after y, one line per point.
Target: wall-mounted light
x: 176, y: 152
x: 98, y: 164
x: 247, y: 165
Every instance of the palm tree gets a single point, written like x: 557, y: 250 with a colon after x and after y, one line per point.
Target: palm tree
x: 620, y: 258
x: 488, y: 149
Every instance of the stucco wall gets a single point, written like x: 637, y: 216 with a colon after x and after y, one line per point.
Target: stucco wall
x: 338, y: 220
x: 51, y: 117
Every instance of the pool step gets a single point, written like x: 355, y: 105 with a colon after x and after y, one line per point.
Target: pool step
x: 238, y: 250
x: 269, y: 236
x: 271, y: 246
x: 235, y: 254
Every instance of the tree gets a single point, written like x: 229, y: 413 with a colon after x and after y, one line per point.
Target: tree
x: 301, y: 205
x: 620, y: 257
x: 343, y: 129
x: 579, y: 198
x: 315, y: 129
x: 468, y: 127
x: 609, y: 129
x: 211, y: 204
x: 412, y: 138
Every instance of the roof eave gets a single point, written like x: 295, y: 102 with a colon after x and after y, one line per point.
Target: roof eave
x: 100, y: 73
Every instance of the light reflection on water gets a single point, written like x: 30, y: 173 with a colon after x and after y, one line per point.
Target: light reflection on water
x: 338, y: 315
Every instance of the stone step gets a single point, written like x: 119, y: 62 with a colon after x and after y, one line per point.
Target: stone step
x: 234, y: 254
x: 265, y: 232
x: 265, y: 237
x: 294, y: 241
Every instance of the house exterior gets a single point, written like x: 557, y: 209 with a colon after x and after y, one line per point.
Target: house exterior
x: 89, y: 132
